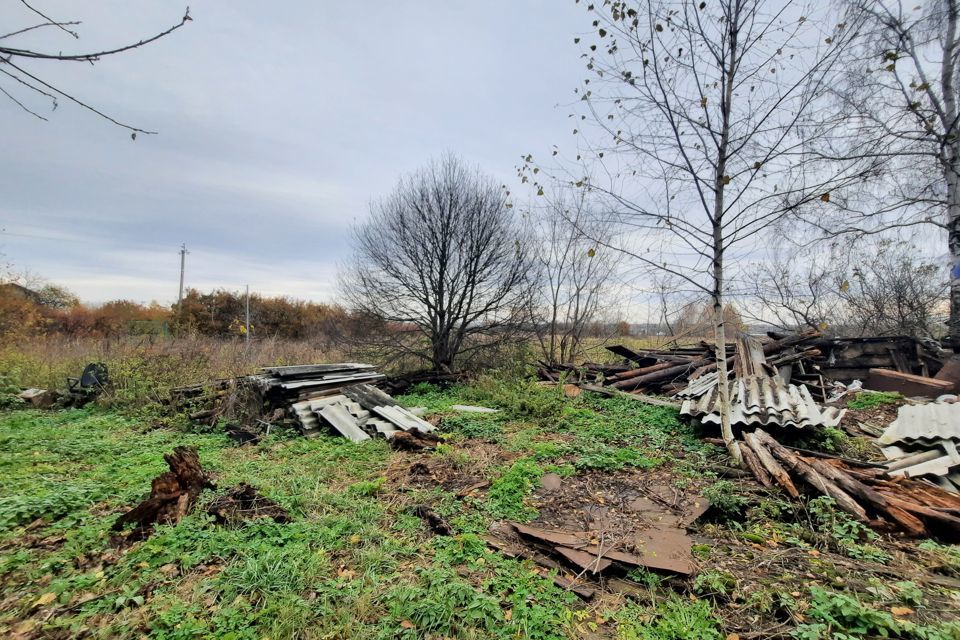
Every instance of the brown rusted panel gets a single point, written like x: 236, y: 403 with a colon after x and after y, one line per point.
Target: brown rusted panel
x: 587, y: 561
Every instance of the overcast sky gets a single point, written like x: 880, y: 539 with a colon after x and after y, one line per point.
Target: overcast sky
x: 277, y: 126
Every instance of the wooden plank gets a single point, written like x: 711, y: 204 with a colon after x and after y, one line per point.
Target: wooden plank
x: 907, y: 384
x: 616, y: 393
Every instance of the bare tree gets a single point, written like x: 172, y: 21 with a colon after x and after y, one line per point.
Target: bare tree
x: 883, y: 287
x: 889, y: 291
x: 441, y: 255
x: 796, y: 288
x: 16, y: 78
x: 573, y: 274
x: 901, y: 100
x: 703, y: 109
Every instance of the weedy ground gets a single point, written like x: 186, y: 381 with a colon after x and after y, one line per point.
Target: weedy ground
x: 354, y: 562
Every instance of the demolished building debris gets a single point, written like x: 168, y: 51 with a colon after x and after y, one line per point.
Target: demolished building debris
x: 314, y: 398
x: 922, y: 441
x: 807, y: 359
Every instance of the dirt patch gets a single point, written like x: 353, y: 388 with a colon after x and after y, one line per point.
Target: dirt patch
x: 598, y: 526
x: 461, y: 472
x: 244, y: 502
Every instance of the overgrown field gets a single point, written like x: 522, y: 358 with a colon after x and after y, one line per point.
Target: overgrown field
x: 356, y: 562
x: 144, y: 368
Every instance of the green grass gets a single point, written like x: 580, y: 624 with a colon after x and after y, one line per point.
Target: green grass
x: 354, y: 562
x: 873, y: 399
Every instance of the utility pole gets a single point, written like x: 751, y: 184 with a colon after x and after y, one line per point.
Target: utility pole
x: 183, y: 264
x: 247, y: 332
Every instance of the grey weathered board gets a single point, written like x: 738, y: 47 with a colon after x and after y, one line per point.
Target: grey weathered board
x: 341, y: 420
x: 305, y: 369
x: 368, y: 396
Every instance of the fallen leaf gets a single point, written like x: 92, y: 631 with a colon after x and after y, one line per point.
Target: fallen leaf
x: 508, y: 614
x: 813, y: 552
x: 733, y: 636
x: 45, y: 599
x: 901, y: 611
x: 406, y: 624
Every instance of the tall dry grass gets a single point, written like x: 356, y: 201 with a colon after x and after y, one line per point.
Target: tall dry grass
x: 146, y: 367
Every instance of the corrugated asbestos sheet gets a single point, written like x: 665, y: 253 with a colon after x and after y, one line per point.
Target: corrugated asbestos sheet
x: 761, y: 401
x: 924, y: 424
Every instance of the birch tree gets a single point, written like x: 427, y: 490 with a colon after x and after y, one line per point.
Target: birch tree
x: 699, y: 112
x: 901, y: 94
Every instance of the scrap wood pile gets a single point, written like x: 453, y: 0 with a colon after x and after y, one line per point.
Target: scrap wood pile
x: 868, y: 493
x: 314, y: 398
x: 807, y: 359
x: 760, y: 400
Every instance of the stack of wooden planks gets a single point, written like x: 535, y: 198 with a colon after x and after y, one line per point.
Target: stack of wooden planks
x: 310, y: 381
x: 864, y: 490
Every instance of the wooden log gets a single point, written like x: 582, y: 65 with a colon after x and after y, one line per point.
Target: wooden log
x: 633, y: 373
x: 658, y: 376
x: 948, y: 525
x: 909, y: 523
x: 616, y: 393
x: 753, y: 463
x: 796, y: 464
x: 777, y: 472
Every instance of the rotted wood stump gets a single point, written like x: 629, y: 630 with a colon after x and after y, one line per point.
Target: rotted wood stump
x: 172, y: 493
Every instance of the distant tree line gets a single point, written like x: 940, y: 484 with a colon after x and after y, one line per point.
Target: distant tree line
x: 48, y: 309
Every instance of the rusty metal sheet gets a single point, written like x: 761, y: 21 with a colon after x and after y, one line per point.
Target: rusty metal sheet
x: 587, y: 561
x: 566, y: 538
x: 666, y: 549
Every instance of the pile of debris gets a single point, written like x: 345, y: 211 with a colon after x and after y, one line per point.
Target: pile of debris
x: 174, y: 493
x: 760, y: 399
x: 922, y: 441
x: 358, y: 412
x: 868, y: 493
x: 597, y: 527
x: 314, y: 398
x: 898, y: 363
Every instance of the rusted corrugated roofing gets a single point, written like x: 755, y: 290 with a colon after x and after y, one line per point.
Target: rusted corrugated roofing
x: 924, y: 424
x: 761, y: 401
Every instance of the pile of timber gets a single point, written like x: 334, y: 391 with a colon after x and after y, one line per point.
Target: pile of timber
x: 806, y: 358
x: 864, y: 490
x: 316, y: 398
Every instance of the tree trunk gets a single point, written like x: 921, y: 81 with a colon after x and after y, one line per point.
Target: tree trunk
x: 951, y: 165
x: 720, y: 182
x: 726, y: 431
